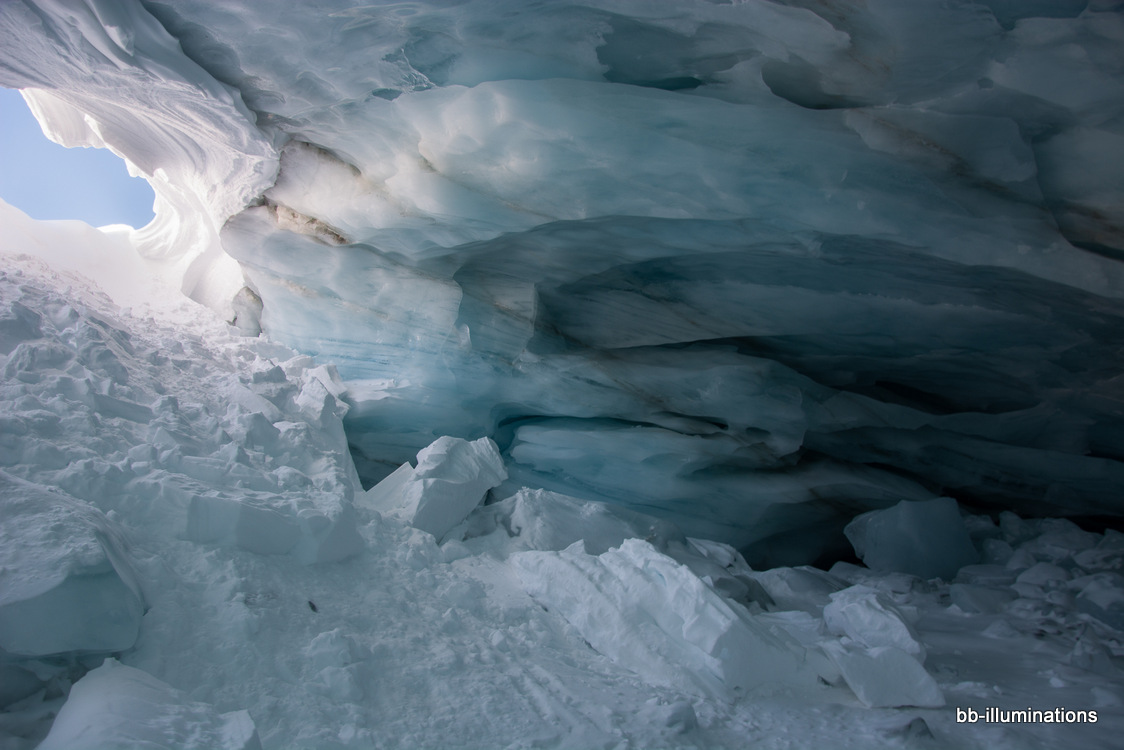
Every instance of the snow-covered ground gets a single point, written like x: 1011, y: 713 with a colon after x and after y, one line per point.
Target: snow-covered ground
x: 201, y: 478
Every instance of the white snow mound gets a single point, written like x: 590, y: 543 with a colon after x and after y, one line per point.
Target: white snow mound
x: 119, y: 707
x: 66, y: 582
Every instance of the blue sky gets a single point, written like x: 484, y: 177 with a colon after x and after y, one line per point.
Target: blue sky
x: 47, y: 181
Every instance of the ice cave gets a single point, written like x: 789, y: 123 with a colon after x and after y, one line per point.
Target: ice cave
x: 600, y: 374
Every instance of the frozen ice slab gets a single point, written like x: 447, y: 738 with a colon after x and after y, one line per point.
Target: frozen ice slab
x: 885, y: 676
x: 1102, y: 596
x: 119, y: 707
x: 655, y: 617
x: 923, y: 538
x: 451, y: 478
x: 804, y: 588
x: 66, y: 581
x: 977, y: 599
x: 550, y: 521
x: 871, y: 619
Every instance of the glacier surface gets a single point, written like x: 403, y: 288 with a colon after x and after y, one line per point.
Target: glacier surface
x: 658, y: 295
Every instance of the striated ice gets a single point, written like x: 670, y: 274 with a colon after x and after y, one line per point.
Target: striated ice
x: 122, y: 707
x: 779, y: 263
x: 926, y: 539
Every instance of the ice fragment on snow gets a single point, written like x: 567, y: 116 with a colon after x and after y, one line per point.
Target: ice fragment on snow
x: 451, y: 478
x: 975, y: 599
x: 804, y: 588
x: 546, y: 520
x: 986, y: 575
x: 1102, y: 596
x: 885, y: 676
x: 653, y: 616
x: 66, y: 581
x: 121, y: 707
x: 1043, y: 574
x: 871, y: 619
x: 925, y: 538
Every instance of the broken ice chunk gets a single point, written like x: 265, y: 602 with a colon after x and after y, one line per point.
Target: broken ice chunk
x: 804, y: 588
x: 451, y: 478
x: 121, y: 707
x: 925, y: 538
x: 545, y: 520
x: 870, y: 618
x: 1102, y: 596
x: 885, y: 676
x: 66, y: 582
x: 652, y: 615
x: 976, y: 599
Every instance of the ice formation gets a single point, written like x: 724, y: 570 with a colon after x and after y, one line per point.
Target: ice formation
x: 672, y: 301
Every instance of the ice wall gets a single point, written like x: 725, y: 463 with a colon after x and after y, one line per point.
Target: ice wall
x: 754, y: 267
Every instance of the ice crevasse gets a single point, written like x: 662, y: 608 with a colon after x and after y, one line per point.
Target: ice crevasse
x: 570, y: 302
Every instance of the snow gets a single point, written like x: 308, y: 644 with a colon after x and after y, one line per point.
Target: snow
x: 669, y: 301
x: 118, y: 706
x: 67, y: 581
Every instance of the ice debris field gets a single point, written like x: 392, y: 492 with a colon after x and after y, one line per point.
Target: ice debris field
x: 189, y: 560
x: 608, y: 375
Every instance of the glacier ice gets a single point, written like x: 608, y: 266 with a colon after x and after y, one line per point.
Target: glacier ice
x: 703, y: 282
x: 805, y: 588
x: 86, y: 411
x: 923, y: 538
x: 787, y: 261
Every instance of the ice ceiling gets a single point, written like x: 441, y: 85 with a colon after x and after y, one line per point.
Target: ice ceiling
x: 751, y: 266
